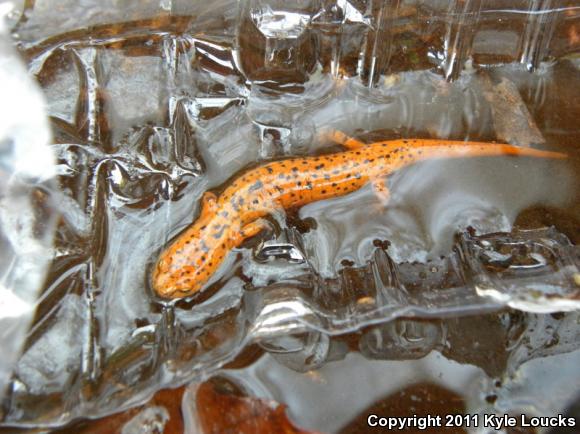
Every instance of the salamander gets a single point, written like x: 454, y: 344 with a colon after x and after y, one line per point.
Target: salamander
x: 237, y: 214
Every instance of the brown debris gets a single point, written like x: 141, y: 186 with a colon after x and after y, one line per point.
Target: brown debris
x: 421, y: 399
x: 219, y: 412
x: 511, y: 118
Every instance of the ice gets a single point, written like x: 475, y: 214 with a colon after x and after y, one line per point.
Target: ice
x: 402, y: 340
x: 45, y: 366
x: 133, y: 86
x: 27, y: 165
x: 279, y: 24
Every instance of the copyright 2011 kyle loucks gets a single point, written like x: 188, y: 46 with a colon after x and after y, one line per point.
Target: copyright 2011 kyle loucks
x: 493, y: 421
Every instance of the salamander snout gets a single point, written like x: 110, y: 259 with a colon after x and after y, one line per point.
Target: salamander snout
x: 176, y: 275
x: 185, y: 267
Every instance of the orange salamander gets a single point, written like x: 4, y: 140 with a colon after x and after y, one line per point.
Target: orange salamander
x: 237, y: 214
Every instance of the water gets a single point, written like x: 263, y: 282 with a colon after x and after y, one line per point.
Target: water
x: 150, y: 109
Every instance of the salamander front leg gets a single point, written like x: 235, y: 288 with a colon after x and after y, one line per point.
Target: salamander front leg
x: 344, y: 140
x: 208, y: 204
x: 381, y: 191
x: 251, y: 229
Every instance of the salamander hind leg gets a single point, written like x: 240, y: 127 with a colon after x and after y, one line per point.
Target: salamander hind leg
x: 381, y: 191
x: 344, y: 140
x: 252, y: 229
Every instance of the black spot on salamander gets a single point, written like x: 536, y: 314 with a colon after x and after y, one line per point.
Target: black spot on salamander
x: 384, y: 145
x: 323, y: 191
x: 405, y: 141
x: 255, y: 201
x: 304, y: 162
x: 295, y: 169
x: 320, y: 166
x: 299, y: 183
x: 223, y: 245
x: 401, y: 157
x: 203, y: 258
x: 334, y: 184
x: 280, y: 189
x: 269, y: 169
x: 357, y: 152
x: 309, y: 185
x: 203, y: 227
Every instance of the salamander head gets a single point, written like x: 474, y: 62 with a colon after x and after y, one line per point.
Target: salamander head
x: 189, y: 262
x: 186, y: 266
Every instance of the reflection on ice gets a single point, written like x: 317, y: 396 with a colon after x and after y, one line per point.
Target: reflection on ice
x: 279, y: 24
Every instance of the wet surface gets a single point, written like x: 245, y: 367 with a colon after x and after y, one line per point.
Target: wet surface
x: 150, y: 108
